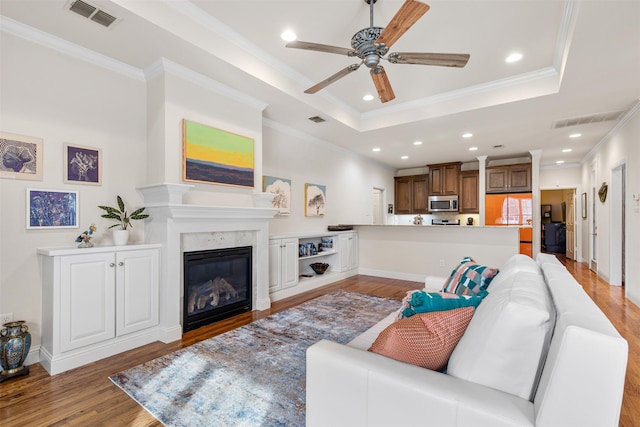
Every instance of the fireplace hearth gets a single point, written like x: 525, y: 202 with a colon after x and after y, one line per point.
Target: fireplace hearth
x: 217, y: 285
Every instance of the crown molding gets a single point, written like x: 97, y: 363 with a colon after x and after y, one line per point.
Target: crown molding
x: 164, y: 65
x: 633, y: 110
x: 26, y: 32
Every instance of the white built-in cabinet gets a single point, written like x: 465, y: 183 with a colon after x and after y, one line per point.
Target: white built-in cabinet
x: 97, y: 302
x: 283, y: 263
x: 289, y: 263
x: 348, y: 248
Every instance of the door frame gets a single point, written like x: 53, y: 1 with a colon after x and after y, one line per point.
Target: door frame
x: 617, y: 224
x: 577, y: 223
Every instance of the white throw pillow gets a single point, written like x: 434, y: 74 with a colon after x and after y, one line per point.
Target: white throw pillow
x: 506, y: 341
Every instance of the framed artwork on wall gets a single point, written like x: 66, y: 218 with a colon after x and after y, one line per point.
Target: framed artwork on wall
x: 20, y: 157
x: 51, y: 209
x: 214, y: 156
x: 83, y: 165
x: 583, y: 205
x: 281, y: 187
x: 315, y: 199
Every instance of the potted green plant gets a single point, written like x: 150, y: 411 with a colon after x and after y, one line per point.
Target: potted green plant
x: 120, y: 214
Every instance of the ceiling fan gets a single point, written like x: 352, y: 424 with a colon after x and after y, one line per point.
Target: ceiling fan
x: 371, y: 44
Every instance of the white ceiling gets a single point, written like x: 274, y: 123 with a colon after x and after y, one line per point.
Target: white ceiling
x: 580, y: 58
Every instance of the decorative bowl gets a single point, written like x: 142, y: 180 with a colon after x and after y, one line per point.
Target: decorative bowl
x: 319, y: 267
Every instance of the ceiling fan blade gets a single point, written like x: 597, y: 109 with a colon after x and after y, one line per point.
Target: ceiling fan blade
x: 326, y: 82
x: 440, y: 59
x: 406, y: 16
x: 321, y: 48
x: 383, y: 86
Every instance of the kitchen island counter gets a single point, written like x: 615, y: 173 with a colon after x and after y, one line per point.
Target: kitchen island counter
x: 411, y: 252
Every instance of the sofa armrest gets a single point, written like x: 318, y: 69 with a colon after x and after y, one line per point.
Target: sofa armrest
x: 351, y: 387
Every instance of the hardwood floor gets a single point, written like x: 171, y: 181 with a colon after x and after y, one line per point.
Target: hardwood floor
x: 85, y: 396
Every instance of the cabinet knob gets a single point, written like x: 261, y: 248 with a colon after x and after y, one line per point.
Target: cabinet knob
x: 121, y: 263
x: 112, y: 264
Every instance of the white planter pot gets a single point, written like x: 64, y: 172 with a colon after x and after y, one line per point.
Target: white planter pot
x: 120, y: 237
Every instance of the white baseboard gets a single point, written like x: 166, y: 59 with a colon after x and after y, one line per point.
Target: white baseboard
x: 167, y: 335
x: 54, y: 364
x: 392, y: 274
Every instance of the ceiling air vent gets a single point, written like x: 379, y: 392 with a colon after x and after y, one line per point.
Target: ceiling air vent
x: 89, y: 11
x: 317, y: 119
x: 585, y: 120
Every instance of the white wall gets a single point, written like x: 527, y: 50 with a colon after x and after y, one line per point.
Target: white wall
x: 136, y: 121
x: 620, y: 148
x: 554, y: 178
x: 176, y: 93
x: 349, y: 179
x: 63, y: 100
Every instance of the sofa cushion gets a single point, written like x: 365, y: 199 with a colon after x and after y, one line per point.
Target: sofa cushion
x: 426, y: 339
x: 503, y: 347
x: 424, y: 302
x: 516, y: 263
x: 469, y: 278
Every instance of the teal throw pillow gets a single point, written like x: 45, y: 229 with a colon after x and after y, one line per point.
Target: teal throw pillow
x: 426, y: 302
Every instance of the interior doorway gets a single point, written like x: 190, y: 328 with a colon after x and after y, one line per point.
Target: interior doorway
x: 558, y: 228
x: 377, y: 206
x: 593, y: 224
x: 617, y: 191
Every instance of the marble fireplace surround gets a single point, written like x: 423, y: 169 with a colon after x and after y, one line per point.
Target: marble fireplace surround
x: 183, y: 228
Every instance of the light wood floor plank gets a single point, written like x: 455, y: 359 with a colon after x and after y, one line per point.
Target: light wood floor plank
x: 85, y: 396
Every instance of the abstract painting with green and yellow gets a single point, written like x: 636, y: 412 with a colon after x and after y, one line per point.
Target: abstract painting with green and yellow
x: 215, y: 156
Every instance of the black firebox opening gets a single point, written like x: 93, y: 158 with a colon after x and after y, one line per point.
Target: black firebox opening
x: 217, y: 285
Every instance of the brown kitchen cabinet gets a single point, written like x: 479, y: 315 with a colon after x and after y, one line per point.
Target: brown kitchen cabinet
x: 469, y: 192
x: 443, y: 179
x: 411, y: 194
x: 509, y: 178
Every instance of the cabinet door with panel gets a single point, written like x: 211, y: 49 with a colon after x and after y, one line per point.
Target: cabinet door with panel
x: 520, y: 178
x: 403, y: 195
x: 411, y: 194
x: 469, y: 192
x: 443, y: 179
x: 420, y: 193
x: 509, y: 179
x: 137, y: 298
x: 87, y: 299
x: 283, y: 263
x: 348, y: 251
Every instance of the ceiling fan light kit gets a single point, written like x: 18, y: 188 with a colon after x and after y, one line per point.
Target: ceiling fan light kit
x: 371, y: 44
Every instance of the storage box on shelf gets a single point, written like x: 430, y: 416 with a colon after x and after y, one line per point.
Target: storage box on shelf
x: 291, y: 256
x: 97, y: 302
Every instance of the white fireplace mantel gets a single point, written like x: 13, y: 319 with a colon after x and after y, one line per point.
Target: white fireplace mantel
x: 170, y: 219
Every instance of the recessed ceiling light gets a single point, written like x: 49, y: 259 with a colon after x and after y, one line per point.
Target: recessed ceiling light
x: 417, y: 142
x: 376, y: 149
x: 559, y: 162
x: 514, y: 57
x: 404, y: 157
x: 575, y: 135
x: 473, y: 148
x: 467, y: 135
x: 288, y: 36
x: 368, y: 97
x: 567, y: 150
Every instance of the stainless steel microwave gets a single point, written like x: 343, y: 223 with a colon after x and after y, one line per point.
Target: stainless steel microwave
x: 443, y: 203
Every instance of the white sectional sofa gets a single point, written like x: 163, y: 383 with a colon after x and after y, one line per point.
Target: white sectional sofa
x: 537, y: 352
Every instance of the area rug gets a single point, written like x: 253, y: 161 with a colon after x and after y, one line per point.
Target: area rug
x: 253, y: 375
